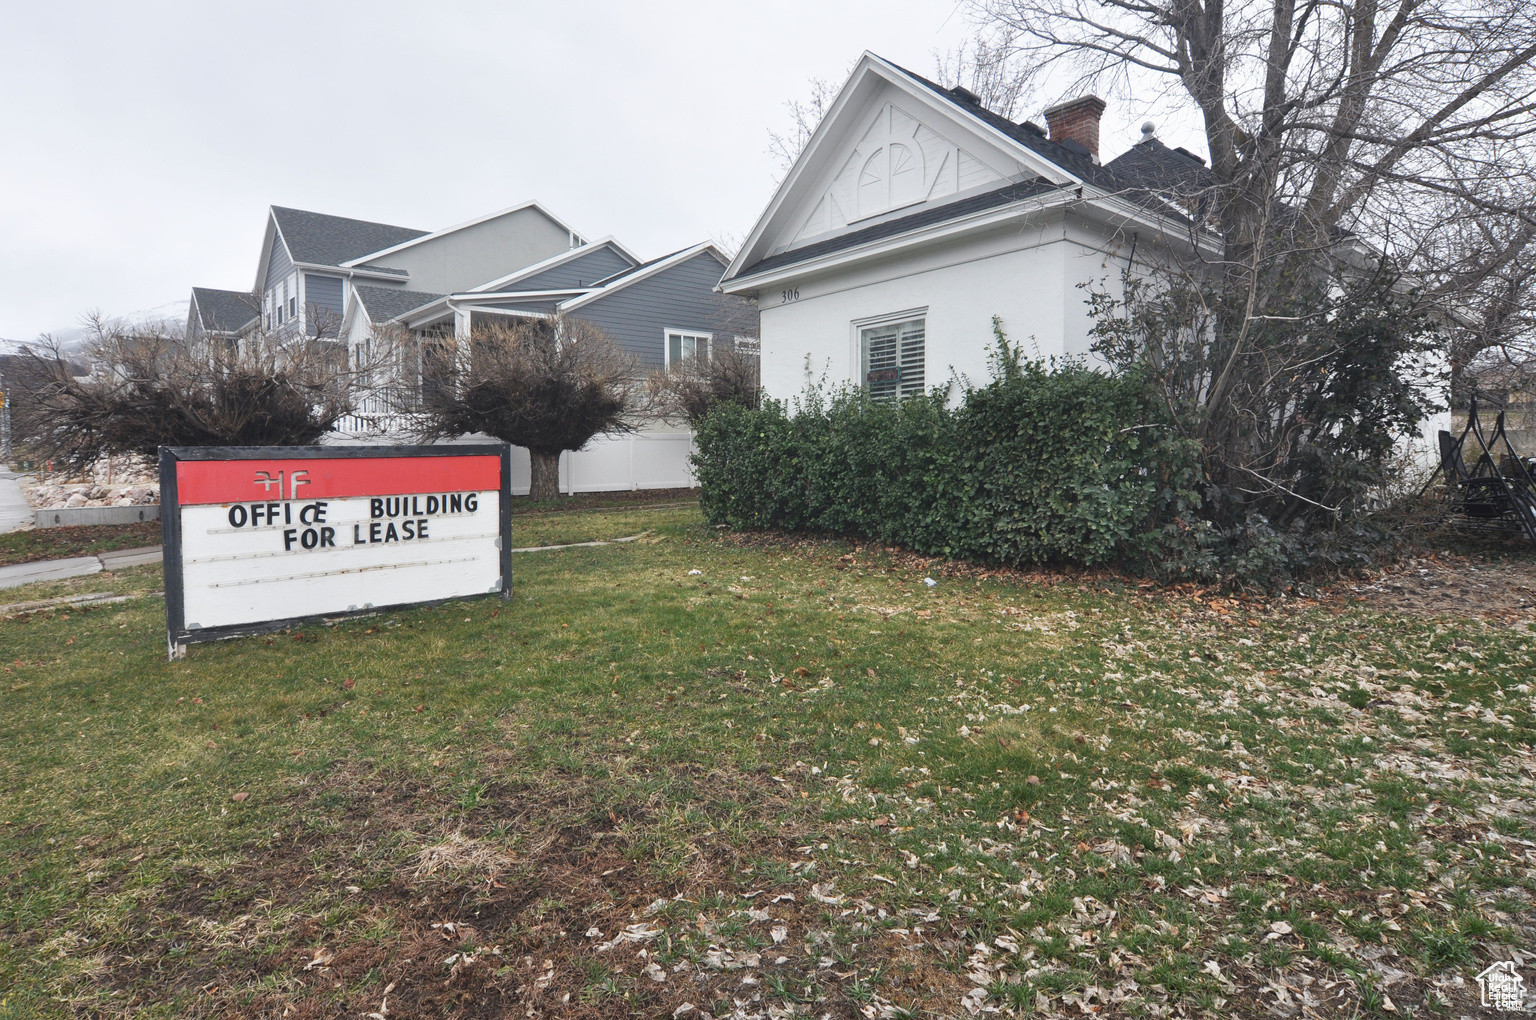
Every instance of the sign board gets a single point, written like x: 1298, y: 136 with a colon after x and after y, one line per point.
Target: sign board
x: 260, y: 538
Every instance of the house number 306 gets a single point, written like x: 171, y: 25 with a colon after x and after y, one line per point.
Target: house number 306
x: 786, y: 296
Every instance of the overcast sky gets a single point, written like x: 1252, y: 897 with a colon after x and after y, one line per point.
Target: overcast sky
x: 143, y: 142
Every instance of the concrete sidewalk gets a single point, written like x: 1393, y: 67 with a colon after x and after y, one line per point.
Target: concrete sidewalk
x: 54, y: 570
x: 14, y: 508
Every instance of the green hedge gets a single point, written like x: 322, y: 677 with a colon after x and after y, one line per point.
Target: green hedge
x: 1045, y: 464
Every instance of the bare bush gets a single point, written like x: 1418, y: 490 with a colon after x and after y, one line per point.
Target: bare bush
x: 730, y: 373
x: 548, y: 384
x: 150, y: 386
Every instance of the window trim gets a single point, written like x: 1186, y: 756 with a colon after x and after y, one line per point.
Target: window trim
x: 856, y: 341
x: 696, y: 334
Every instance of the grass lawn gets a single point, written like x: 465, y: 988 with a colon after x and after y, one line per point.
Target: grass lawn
x: 62, y: 543
x: 695, y: 775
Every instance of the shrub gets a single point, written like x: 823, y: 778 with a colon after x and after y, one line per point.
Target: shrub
x: 1045, y: 464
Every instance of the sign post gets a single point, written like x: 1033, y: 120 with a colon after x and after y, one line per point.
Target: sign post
x: 260, y: 538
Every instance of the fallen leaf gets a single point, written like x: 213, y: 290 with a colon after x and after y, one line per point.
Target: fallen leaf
x: 242, y: 795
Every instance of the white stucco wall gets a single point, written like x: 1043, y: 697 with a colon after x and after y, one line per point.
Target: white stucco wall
x: 1027, y: 276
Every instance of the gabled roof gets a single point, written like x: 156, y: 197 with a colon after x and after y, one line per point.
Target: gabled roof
x: 1029, y: 135
x: 618, y: 281
x: 1151, y: 165
x: 325, y: 240
x: 384, y: 304
x: 419, y: 236
x: 224, y: 311
x: 1148, y: 169
x: 510, y: 281
x: 1149, y: 178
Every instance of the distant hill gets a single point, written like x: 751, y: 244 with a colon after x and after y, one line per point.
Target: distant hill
x: 71, y: 336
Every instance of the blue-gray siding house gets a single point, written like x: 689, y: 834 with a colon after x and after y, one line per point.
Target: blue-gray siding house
x: 346, y: 279
x: 661, y: 311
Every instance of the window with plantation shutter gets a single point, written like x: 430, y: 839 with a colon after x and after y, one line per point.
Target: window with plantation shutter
x: 892, y: 355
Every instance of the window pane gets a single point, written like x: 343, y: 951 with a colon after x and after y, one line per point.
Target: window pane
x: 912, y: 337
x: 893, y: 359
x: 674, y: 348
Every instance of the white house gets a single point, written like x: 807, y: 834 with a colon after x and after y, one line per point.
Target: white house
x: 914, y: 215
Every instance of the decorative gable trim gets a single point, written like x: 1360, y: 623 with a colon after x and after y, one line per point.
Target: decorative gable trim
x: 917, y: 101
x: 898, y: 162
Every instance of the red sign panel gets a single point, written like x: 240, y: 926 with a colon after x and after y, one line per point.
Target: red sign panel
x: 244, y: 481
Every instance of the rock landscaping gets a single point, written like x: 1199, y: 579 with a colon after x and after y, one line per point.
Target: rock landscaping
x: 117, y: 481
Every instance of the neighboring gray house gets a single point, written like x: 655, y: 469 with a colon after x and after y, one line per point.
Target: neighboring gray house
x: 334, y: 277
x: 662, y: 311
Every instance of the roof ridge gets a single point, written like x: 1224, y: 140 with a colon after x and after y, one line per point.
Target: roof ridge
x: 349, y: 219
x: 1029, y: 135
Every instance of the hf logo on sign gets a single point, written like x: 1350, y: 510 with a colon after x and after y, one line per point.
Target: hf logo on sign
x: 263, y: 536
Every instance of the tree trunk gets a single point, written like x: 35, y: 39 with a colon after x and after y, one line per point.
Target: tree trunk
x: 544, y: 480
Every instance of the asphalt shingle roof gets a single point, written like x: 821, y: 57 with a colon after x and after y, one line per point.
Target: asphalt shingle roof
x: 1028, y: 136
x: 890, y: 228
x: 331, y: 240
x: 632, y: 270
x: 386, y: 303
x: 1152, y: 166
x: 224, y: 311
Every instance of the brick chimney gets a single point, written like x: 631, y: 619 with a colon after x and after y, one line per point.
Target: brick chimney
x: 1077, y: 120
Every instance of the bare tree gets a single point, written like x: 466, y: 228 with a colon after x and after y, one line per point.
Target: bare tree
x: 1485, y: 266
x: 548, y: 384
x: 982, y: 65
x: 804, y: 117
x: 150, y: 386
x: 1343, y: 135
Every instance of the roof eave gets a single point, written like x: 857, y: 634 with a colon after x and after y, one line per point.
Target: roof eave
x: 366, y: 272
x: 579, y: 251
x: 644, y: 274
x: 960, y: 225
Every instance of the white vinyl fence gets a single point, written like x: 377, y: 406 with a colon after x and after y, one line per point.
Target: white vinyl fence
x: 647, y: 460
